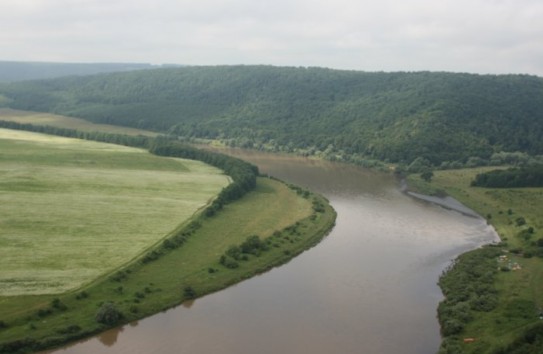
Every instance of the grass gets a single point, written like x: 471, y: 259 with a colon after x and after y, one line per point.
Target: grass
x: 520, y: 292
x: 273, y: 211
x: 50, y: 185
x: 54, y: 120
x: 73, y: 209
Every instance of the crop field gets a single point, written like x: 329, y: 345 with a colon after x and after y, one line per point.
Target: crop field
x: 54, y: 120
x: 72, y: 210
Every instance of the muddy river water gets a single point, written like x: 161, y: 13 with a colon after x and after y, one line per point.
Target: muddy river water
x: 368, y: 287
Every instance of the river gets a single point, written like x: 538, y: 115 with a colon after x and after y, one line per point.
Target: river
x: 368, y: 287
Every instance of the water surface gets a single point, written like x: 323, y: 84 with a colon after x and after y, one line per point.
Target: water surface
x: 368, y: 287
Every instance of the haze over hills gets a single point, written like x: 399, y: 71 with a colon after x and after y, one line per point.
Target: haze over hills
x: 11, y: 71
x: 341, y: 114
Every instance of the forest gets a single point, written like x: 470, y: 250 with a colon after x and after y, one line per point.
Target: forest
x: 352, y: 116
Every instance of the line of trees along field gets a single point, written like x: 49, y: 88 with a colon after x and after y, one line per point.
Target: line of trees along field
x: 530, y: 176
x: 243, y: 174
x: 345, y: 115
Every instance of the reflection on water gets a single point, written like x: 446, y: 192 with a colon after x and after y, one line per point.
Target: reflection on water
x: 109, y: 338
x: 369, y: 287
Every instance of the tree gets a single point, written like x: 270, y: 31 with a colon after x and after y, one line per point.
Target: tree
x: 427, y: 175
x: 108, y: 314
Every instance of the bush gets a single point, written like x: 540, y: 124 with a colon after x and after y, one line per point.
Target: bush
x: 484, y: 303
x: 229, y: 262
x: 451, y: 327
x: 108, y: 314
x: 57, y: 304
x: 234, y: 252
x: 189, y: 292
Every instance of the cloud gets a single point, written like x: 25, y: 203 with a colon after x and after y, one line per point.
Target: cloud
x: 486, y: 36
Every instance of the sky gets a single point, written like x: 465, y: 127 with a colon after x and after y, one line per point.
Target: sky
x: 476, y: 36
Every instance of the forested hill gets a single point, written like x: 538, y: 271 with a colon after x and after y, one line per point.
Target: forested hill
x: 11, y: 71
x: 340, y: 114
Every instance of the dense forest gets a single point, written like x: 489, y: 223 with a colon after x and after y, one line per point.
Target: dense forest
x: 343, y: 115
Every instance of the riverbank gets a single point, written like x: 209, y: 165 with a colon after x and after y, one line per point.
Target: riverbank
x: 493, y: 294
x: 287, y: 219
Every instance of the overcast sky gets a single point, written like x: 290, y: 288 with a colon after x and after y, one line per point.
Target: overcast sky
x: 480, y: 36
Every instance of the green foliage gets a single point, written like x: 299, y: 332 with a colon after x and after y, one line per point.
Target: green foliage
x: 427, y: 175
x: 339, y: 115
x: 531, y: 176
x: 252, y: 245
x: 242, y: 173
x: 59, y: 305
x: 468, y: 286
x: 108, y: 314
x: 189, y: 292
x: 529, y: 342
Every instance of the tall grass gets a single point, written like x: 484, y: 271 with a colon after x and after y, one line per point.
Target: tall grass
x: 73, y: 209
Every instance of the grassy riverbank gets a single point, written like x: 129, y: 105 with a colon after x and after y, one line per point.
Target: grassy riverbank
x: 493, y: 301
x: 286, y: 219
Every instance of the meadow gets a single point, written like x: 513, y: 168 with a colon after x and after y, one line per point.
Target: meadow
x: 81, y: 218
x: 73, y: 210
x: 518, y: 291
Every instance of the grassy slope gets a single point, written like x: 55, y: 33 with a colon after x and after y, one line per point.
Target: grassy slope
x: 525, y: 286
x: 73, y: 209
x: 54, y: 120
x: 158, y: 285
x: 273, y: 211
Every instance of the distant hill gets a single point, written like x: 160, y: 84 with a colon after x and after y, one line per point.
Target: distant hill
x: 11, y: 71
x: 339, y: 114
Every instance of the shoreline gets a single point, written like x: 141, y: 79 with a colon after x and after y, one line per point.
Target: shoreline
x: 481, y: 311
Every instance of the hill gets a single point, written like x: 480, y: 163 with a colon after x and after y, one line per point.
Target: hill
x: 336, y: 114
x: 11, y: 71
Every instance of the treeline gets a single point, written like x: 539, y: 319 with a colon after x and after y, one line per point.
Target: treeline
x: 530, y: 176
x: 243, y: 174
x: 339, y: 115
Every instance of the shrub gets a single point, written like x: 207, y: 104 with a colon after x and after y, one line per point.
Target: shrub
x: 189, y: 292
x: 57, y: 304
x: 234, y: 252
x: 108, y: 314
x: 484, y: 303
x: 451, y: 327
x: 82, y: 295
x: 229, y: 262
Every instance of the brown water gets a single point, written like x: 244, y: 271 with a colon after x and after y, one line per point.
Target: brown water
x: 369, y: 287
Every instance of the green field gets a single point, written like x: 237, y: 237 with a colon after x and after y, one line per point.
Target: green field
x: 520, y: 292
x: 55, y: 120
x: 72, y: 210
x: 79, y: 217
